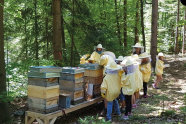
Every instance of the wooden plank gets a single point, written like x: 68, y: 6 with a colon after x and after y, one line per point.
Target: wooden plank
x: 82, y: 105
x: 52, y: 108
x: 45, y: 82
x: 41, y: 69
x: 70, y: 86
x: 43, y: 92
x: 43, y: 75
x: 91, y: 66
x: 71, y: 77
x: 93, y: 73
x: 93, y: 80
x: 73, y: 94
x: 72, y: 70
x: 42, y: 103
x: 78, y: 101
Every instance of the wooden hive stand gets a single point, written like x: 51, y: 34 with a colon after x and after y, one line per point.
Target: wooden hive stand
x: 51, y: 117
x: 41, y: 118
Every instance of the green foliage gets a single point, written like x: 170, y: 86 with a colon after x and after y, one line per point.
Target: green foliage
x: 168, y: 113
x: 4, y: 98
x: 138, y: 117
x: 94, y: 22
x: 183, y: 110
x: 92, y: 120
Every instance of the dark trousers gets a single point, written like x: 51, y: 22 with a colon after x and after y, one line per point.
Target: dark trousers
x: 145, y: 88
x: 128, y: 101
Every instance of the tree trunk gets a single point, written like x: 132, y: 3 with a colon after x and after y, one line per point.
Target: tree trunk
x: 184, y: 28
x: 72, y: 36
x: 63, y: 34
x: 125, y: 23
x: 4, y: 113
x: 57, y: 38
x: 117, y: 22
x: 46, y: 30
x: 142, y: 25
x: 26, y: 42
x: 177, y: 30
x: 36, y: 33
x: 154, y: 31
x: 136, y: 40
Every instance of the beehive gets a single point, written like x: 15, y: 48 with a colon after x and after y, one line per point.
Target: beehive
x: 43, y: 89
x: 71, y: 82
x: 93, y: 79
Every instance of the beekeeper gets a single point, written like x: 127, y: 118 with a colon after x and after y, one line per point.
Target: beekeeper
x: 119, y: 60
x: 138, y: 49
x: 105, y: 60
x: 145, y: 68
x: 159, y: 70
x: 128, y: 85
x: 96, y: 55
x: 110, y: 89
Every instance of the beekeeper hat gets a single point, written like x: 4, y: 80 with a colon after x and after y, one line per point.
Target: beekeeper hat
x: 99, y: 46
x: 144, y: 55
x: 124, y: 60
x: 136, y: 58
x: 137, y: 45
x: 160, y: 54
x: 113, y: 66
x: 130, y: 61
x: 120, y: 58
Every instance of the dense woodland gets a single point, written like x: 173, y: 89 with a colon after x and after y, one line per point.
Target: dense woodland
x: 59, y: 32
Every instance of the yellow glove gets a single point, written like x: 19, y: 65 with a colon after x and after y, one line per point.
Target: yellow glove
x: 103, y: 95
x: 120, y: 72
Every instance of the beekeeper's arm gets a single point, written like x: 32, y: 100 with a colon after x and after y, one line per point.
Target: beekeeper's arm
x: 124, y: 78
x: 93, y: 56
x: 146, y: 68
x: 103, y: 88
x: 103, y: 61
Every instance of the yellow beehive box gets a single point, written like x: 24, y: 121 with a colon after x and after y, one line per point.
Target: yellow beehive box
x: 43, y: 92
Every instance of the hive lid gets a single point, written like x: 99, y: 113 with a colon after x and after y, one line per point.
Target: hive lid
x: 45, y: 69
x: 73, y: 70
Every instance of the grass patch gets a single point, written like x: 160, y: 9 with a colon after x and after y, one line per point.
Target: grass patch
x: 161, y: 97
x: 168, y: 113
x: 92, y: 120
x: 183, y: 110
x: 138, y: 117
x: 184, y: 65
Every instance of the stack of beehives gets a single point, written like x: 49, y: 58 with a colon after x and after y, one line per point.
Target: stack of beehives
x: 43, y: 88
x: 71, y: 84
x: 93, y: 79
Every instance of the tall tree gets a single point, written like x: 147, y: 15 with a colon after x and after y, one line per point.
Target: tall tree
x: 136, y: 40
x: 4, y: 114
x: 36, y: 31
x: 125, y: 23
x: 184, y: 28
x: 154, y: 31
x: 57, y: 38
x: 46, y: 29
x: 142, y: 24
x: 176, y: 48
x: 117, y: 23
x: 72, y: 35
x: 63, y: 33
